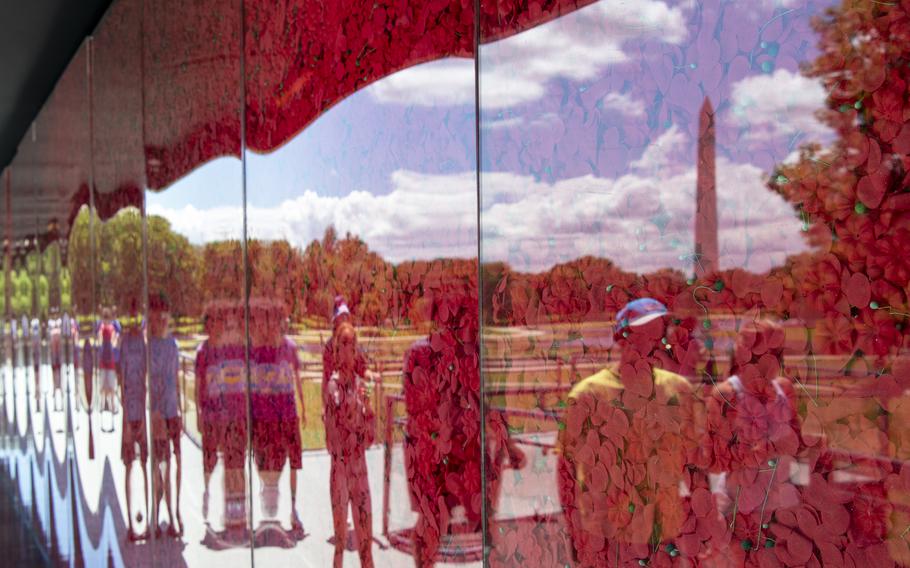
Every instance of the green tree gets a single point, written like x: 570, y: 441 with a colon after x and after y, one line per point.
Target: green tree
x: 79, y: 263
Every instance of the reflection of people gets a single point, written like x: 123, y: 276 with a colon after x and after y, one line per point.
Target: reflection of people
x: 341, y: 315
x: 67, y: 329
x: 754, y: 428
x: 221, y: 401
x: 441, y: 385
x: 131, y: 371
x: 14, y: 342
x: 275, y: 384
x: 167, y: 423
x: 36, y: 359
x: 107, y: 337
x: 55, y: 351
x: 88, y: 378
x: 36, y: 345
x: 623, y: 449
x: 349, y: 426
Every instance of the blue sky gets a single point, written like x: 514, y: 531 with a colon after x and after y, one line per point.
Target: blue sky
x: 589, y: 125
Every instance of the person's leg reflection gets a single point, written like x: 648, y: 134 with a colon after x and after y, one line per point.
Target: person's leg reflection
x: 176, y: 443
x: 338, y: 487
x: 361, y: 507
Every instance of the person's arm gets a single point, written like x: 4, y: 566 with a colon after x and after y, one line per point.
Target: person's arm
x: 361, y: 363
x: 298, y: 385
x: 328, y: 367
x: 175, y: 366
x: 199, y: 372
x: 119, y: 367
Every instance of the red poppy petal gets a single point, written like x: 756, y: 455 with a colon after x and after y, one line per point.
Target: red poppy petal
x: 858, y: 290
x: 871, y: 189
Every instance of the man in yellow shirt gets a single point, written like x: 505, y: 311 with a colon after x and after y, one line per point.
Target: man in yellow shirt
x: 626, y: 439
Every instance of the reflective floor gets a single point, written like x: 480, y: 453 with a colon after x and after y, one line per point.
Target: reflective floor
x: 598, y: 284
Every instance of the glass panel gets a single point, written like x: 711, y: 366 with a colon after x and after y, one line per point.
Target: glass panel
x: 63, y: 142
x: 44, y: 181
x: 120, y: 352
x: 196, y: 278
x: 694, y: 342
x: 363, y: 310
x: 232, y: 331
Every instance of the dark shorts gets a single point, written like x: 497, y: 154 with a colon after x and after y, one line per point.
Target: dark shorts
x: 161, y: 445
x: 227, y: 436
x: 134, y: 433
x: 275, y: 441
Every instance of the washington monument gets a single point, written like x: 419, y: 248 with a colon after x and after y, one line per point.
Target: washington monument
x: 706, y: 256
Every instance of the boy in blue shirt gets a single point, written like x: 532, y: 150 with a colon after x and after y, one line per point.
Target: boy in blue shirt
x: 131, y: 371
x: 167, y: 423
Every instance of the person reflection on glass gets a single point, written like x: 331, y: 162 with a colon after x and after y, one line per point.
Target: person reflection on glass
x: 14, y: 341
x: 340, y: 315
x: 167, y: 423
x: 221, y: 400
x: 623, y: 450
x: 350, y: 429
x: 70, y: 339
x: 55, y: 352
x: 36, y: 346
x: 442, y: 446
x: 275, y: 386
x: 107, y: 337
x: 756, y: 439
x: 131, y: 371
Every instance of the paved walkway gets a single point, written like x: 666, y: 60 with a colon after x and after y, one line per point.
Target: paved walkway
x: 526, y: 494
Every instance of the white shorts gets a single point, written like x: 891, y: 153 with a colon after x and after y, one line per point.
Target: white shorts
x: 108, y: 379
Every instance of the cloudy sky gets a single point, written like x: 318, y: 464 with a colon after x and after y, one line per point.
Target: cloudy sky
x: 588, y: 129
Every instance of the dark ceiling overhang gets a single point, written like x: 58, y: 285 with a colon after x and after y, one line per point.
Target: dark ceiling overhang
x: 37, y: 41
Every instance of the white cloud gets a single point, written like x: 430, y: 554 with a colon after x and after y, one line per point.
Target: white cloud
x: 782, y: 104
x: 623, y: 104
x: 577, y: 46
x: 545, y: 120
x: 511, y: 122
x: 516, y: 69
x: 780, y: 3
x: 641, y: 220
x: 437, y: 83
x: 671, y: 147
x: 424, y: 216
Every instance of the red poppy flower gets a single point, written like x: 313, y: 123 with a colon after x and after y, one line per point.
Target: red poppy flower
x: 890, y: 256
x: 870, y: 511
x: 833, y: 334
x: 876, y: 332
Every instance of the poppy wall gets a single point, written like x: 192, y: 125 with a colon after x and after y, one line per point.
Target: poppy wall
x: 479, y: 283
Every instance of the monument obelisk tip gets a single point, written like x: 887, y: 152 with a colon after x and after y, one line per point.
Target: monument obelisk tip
x: 706, y: 250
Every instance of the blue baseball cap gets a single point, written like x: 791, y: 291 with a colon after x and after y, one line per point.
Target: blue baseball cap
x: 639, y: 312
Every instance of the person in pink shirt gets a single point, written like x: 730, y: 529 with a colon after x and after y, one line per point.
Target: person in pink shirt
x: 108, y: 336
x: 275, y: 386
x: 221, y: 401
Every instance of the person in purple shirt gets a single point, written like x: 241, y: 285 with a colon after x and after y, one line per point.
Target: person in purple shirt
x: 221, y: 401
x: 164, y: 397
x: 275, y: 385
